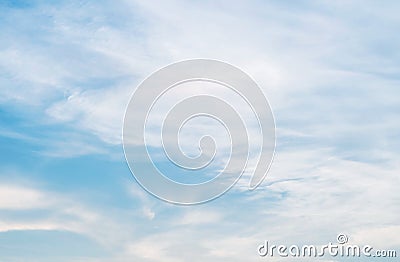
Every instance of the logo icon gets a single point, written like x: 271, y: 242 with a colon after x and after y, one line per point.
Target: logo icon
x: 149, y: 136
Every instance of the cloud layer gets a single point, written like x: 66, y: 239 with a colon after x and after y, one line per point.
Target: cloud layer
x: 329, y: 70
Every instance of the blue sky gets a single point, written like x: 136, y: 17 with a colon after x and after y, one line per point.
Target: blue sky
x: 330, y: 71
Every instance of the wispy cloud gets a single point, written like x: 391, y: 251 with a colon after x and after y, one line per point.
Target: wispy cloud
x: 329, y: 70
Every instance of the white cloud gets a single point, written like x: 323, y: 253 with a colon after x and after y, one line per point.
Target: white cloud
x: 15, y: 197
x: 98, y: 111
x: 58, y: 211
x: 198, y: 217
x: 328, y: 69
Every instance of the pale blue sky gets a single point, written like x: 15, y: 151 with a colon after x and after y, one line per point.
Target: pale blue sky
x: 331, y: 71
